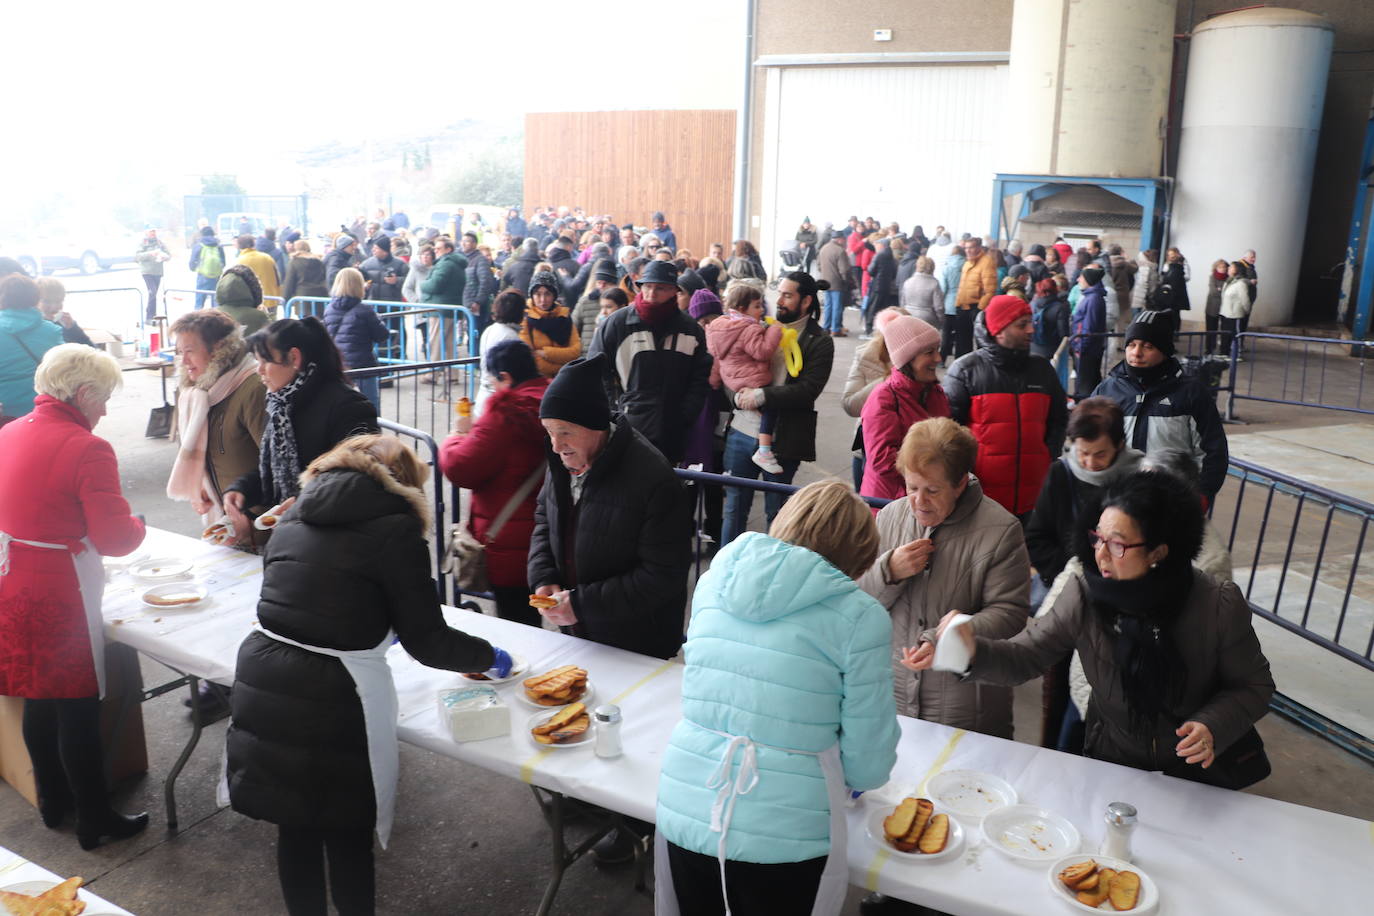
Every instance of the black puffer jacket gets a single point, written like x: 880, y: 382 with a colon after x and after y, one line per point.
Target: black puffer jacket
x: 323, y: 415
x: 519, y: 271
x: 347, y: 564
x: 625, y: 545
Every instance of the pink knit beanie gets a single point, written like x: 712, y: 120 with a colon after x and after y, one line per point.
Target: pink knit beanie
x: 907, y: 336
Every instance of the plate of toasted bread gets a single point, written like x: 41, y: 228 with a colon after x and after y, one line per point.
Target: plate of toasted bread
x: 221, y: 533
x: 916, y: 830
x: 161, y: 568
x: 269, y: 519
x: 570, y: 726
x: 43, y: 898
x: 174, y: 596
x: 1031, y: 834
x: 556, y: 687
x: 970, y: 795
x: 1102, y: 884
x: 517, y: 668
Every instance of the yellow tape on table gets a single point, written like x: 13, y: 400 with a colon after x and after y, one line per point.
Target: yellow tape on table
x: 527, y: 768
x: 871, y: 880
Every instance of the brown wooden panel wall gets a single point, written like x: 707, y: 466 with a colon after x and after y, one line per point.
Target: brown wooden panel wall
x: 630, y: 163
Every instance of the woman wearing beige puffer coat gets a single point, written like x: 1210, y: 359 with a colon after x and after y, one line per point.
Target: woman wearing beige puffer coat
x: 948, y: 547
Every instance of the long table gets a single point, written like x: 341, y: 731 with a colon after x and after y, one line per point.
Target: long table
x: 1209, y: 850
x: 17, y: 870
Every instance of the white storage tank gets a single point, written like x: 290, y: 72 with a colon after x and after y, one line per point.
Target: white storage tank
x: 1089, y: 87
x: 1252, y: 111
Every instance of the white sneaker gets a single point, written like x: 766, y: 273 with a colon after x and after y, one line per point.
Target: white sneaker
x: 767, y: 461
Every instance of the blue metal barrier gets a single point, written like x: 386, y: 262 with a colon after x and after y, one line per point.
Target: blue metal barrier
x: 1193, y: 347
x: 140, y: 299
x: 1307, y: 379
x: 454, y: 340
x: 407, y: 397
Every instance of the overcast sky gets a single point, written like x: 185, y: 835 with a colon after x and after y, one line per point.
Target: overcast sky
x: 115, y: 91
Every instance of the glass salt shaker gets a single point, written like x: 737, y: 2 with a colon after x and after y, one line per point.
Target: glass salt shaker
x: 1121, y: 821
x: 608, y: 731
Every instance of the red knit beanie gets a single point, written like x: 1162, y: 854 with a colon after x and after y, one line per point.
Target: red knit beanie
x: 1002, y: 311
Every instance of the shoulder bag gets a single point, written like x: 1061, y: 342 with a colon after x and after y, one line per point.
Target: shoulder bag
x: 465, y: 557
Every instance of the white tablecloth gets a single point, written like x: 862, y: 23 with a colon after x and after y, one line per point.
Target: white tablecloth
x: 1209, y: 850
x: 15, y: 869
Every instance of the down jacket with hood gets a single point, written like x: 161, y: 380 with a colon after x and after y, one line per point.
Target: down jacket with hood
x: 347, y: 565
x: 1013, y: 404
x: 743, y: 349
x: 24, y: 338
x: 783, y: 649
x: 979, y: 567
x: 356, y: 330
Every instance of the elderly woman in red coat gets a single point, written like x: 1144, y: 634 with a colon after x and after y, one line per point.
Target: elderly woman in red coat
x: 60, y: 511
x: 908, y: 395
x: 501, y: 460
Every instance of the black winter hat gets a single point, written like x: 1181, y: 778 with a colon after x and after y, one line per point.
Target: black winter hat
x: 660, y: 272
x: 604, y: 270
x: 1037, y: 251
x: 689, y: 280
x: 547, y: 279
x: 383, y: 242
x: 577, y: 394
x: 1093, y: 275
x: 1154, y: 327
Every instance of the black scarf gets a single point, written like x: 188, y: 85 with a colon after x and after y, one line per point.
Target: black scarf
x: 1138, y: 615
x: 279, y: 464
x: 1150, y: 375
x: 557, y: 328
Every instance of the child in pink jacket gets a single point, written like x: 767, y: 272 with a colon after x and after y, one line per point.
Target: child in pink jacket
x: 743, y: 347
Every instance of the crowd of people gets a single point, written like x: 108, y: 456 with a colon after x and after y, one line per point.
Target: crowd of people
x: 1074, y: 536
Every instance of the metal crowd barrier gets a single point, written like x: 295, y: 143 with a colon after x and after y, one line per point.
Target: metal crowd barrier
x: 410, y: 338
x: 1191, y: 344
x: 1303, y: 545
x: 1310, y: 377
x: 430, y: 455
x: 140, y: 299
x: 424, y: 395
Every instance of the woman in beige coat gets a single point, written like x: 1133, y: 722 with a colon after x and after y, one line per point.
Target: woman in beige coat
x: 948, y: 547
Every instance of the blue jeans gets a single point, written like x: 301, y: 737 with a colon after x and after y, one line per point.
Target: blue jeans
x: 372, y: 390
x: 204, y: 283
x: 739, y: 462
x: 832, y: 317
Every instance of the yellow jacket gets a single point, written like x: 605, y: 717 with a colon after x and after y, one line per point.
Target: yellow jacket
x: 554, y: 355
x: 266, y: 270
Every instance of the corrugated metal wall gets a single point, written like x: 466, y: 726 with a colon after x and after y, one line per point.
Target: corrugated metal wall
x: 630, y: 163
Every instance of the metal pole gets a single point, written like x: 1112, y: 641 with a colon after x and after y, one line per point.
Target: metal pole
x: 744, y: 128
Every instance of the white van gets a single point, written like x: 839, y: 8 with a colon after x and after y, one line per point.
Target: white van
x: 229, y: 226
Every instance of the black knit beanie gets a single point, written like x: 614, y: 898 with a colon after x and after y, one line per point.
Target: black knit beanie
x: 577, y: 394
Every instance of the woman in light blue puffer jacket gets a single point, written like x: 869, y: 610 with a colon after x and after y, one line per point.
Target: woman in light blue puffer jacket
x: 787, y: 705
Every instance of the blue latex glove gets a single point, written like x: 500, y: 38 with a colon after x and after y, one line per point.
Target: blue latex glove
x: 501, y: 666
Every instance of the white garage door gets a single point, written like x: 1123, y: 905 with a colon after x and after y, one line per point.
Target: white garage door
x: 914, y: 144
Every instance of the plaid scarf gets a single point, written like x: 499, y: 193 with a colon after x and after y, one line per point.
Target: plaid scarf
x: 278, y: 462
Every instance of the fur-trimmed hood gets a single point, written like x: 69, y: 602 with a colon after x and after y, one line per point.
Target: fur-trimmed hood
x: 225, y: 356
x: 344, y: 498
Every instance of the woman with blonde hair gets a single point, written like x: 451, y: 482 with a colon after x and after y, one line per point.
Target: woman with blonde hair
x: 61, y: 509
x: 778, y: 623
x: 52, y: 295
x: 356, y: 329
x: 947, y: 545
x: 346, y: 573
x: 305, y: 277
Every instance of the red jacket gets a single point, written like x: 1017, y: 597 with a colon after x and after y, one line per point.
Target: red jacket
x: 889, y: 412
x: 493, y: 460
x: 861, y: 261
x: 59, y: 483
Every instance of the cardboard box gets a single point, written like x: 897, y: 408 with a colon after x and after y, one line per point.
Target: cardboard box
x: 123, y: 677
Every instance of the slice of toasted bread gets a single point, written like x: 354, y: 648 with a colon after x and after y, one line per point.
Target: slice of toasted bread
x: 1077, y: 872
x: 64, y: 891
x: 924, y: 809
x: 1089, y: 882
x: 1125, y: 890
x: 560, y: 683
x: 544, y: 739
x: 560, y: 718
x: 576, y: 728
x: 1098, y: 894
x: 935, y: 836
x: 538, y: 679
x: 543, y: 601
x: 896, y: 824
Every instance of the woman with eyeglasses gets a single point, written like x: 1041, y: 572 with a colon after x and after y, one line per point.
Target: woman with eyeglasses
x: 1178, y: 677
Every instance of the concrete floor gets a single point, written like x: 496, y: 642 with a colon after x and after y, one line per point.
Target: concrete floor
x: 467, y: 841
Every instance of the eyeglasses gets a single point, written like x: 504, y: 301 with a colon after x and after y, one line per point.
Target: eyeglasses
x: 1117, y: 548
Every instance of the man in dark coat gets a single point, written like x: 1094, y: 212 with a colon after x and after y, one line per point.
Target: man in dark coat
x: 479, y: 287
x: 519, y: 270
x: 882, y: 283
x: 659, y: 226
x: 658, y: 371
x: 339, y: 257
x: 384, y: 273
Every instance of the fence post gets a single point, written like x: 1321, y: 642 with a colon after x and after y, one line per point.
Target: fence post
x: 1231, y: 382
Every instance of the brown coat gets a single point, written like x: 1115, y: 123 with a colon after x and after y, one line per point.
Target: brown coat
x: 834, y: 265
x: 234, y: 434
x: 977, y: 282
x: 980, y: 566
x: 1228, y: 686
x: 554, y: 357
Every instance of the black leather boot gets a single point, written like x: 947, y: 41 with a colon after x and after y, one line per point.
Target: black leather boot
x: 40, y: 737
x: 83, y: 761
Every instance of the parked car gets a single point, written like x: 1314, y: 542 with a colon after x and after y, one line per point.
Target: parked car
x: 90, y: 252
x: 229, y: 226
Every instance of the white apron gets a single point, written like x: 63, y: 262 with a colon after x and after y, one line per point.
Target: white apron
x: 377, y: 691
x: 834, y: 878
x: 90, y: 576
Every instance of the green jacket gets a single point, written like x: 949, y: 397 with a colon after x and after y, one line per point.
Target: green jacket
x: 234, y: 298
x: 448, y: 276
x: 149, y: 264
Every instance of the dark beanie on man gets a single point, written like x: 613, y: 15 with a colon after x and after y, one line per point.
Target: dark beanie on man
x: 1153, y: 327
x: 659, y: 272
x: 383, y: 242
x: 605, y: 270
x: 689, y: 281
x: 577, y: 394
x: 1093, y: 275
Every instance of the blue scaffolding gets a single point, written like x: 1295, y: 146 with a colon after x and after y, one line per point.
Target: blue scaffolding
x: 1150, y: 194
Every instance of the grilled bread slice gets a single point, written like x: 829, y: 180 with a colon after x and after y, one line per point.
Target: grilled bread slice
x: 1125, y: 891
x: 924, y: 809
x: 1077, y: 872
x: 1094, y: 896
x: 896, y: 824
x: 936, y: 835
x: 560, y: 718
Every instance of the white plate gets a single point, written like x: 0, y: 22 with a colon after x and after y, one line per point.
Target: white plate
x: 1030, y: 834
x: 159, y: 568
x: 540, y: 718
x: 174, y: 588
x: 34, y: 888
x: 586, y: 695
x: 969, y: 794
x: 1145, y: 903
x: 874, y: 829
x: 274, y: 513
x: 517, y: 668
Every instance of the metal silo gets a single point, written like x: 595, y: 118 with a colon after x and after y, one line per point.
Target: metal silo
x: 1252, y: 110
x: 1089, y: 86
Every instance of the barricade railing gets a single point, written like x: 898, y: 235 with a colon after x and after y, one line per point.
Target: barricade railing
x: 1296, y: 549
x: 1328, y: 373
x: 181, y: 293
x: 423, y: 395
x: 430, y: 455
x: 1192, y: 345
x: 140, y: 300
x: 419, y: 331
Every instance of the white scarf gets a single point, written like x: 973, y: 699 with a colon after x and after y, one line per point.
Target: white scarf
x: 190, y: 478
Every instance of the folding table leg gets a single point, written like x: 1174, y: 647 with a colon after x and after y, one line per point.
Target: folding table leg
x: 170, y: 786
x: 554, y: 813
